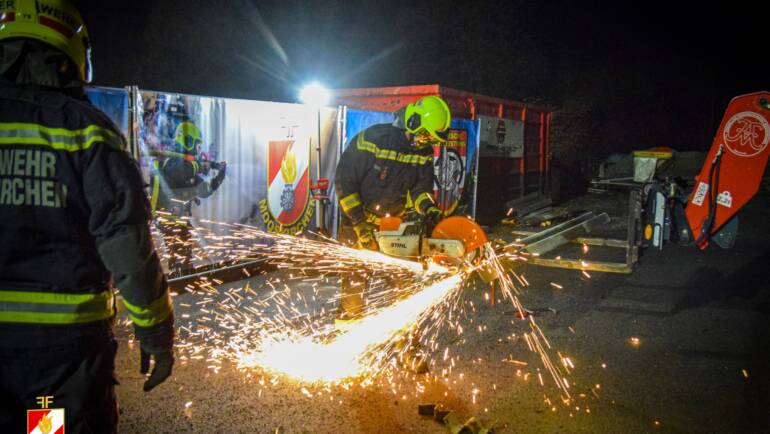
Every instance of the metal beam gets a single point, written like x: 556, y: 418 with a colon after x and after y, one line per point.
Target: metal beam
x: 604, y: 242
x: 227, y: 274
x: 558, y: 228
x: 574, y: 264
x: 566, y: 234
x: 634, y: 226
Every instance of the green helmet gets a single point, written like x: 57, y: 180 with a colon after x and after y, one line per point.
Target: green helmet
x: 187, y: 137
x: 430, y: 114
x: 54, y: 22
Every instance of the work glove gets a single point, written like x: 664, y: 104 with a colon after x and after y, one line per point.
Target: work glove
x: 156, y: 343
x: 221, y: 172
x: 433, y: 215
x: 365, y: 233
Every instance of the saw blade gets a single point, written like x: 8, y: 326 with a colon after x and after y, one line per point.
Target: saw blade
x: 462, y: 229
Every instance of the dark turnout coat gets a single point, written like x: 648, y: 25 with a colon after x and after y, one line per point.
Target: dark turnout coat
x: 380, y: 173
x: 74, y: 223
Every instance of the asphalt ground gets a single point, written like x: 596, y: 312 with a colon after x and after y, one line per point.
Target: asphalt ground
x: 680, y: 345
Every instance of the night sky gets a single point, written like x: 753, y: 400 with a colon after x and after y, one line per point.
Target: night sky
x: 618, y: 76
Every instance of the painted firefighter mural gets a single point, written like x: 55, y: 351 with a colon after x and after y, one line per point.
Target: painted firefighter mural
x: 181, y: 173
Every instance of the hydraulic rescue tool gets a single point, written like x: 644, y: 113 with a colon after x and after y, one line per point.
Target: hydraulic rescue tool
x: 730, y: 177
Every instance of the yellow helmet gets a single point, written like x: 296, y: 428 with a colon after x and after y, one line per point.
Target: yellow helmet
x: 54, y: 22
x: 187, y: 137
x: 430, y: 114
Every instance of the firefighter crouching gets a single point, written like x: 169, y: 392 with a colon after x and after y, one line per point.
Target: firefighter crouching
x: 387, y: 169
x: 74, y: 223
x: 177, y: 183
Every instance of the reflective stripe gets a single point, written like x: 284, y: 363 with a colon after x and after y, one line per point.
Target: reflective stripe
x: 60, y: 139
x: 153, y: 314
x: 363, y: 145
x: 422, y: 198
x: 55, y: 308
x: 387, y: 154
x: 155, y: 186
x: 350, y: 201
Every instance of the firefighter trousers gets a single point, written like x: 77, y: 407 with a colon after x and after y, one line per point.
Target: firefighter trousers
x: 352, y: 285
x: 80, y: 380
x: 177, y: 235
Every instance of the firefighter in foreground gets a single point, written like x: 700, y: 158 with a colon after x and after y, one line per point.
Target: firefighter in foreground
x: 387, y: 169
x: 74, y: 226
x: 177, y: 182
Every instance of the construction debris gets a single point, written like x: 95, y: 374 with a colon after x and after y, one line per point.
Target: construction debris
x: 452, y: 423
x: 426, y: 409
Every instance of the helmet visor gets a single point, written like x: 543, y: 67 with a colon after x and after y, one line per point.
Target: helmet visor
x: 191, y: 143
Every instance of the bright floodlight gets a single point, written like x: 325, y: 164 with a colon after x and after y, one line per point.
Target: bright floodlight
x: 314, y: 94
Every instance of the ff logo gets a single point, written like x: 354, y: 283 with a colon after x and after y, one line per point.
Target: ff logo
x: 45, y: 420
x: 746, y: 134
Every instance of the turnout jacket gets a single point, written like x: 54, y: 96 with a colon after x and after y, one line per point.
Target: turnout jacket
x: 380, y: 173
x: 74, y: 221
x: 176, y: 182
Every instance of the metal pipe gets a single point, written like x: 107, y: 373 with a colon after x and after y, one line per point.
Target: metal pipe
x: 320, y: 222
x: 215, y: 270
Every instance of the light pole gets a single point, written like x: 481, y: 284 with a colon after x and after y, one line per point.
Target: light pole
x: 315, y: 95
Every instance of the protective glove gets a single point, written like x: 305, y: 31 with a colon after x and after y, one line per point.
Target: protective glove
x: 156, y: 343
x: 433, y: 215
x: 221, y: 172
x: 365, y: 233
x: 164, y: 362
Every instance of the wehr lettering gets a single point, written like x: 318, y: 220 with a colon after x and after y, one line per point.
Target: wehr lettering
x: 28, y: 178
x: 57, y: 13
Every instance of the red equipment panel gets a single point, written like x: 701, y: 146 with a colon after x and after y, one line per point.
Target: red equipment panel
x: 740, y: 150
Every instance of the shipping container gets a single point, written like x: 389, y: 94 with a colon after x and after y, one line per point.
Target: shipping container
x: 514, y: 139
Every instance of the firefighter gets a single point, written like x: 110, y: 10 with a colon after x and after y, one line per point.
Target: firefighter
x: 74, y: 226
x: 177, y: 182
x: 387, y: 169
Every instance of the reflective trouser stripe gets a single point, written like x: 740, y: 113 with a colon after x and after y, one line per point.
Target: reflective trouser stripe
x: 350, y: 201
x: 55, y: 308
x: 153, y: 314
x: 60, y: 139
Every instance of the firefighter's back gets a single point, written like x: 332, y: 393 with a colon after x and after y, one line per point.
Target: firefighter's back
x: 46, y: 140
